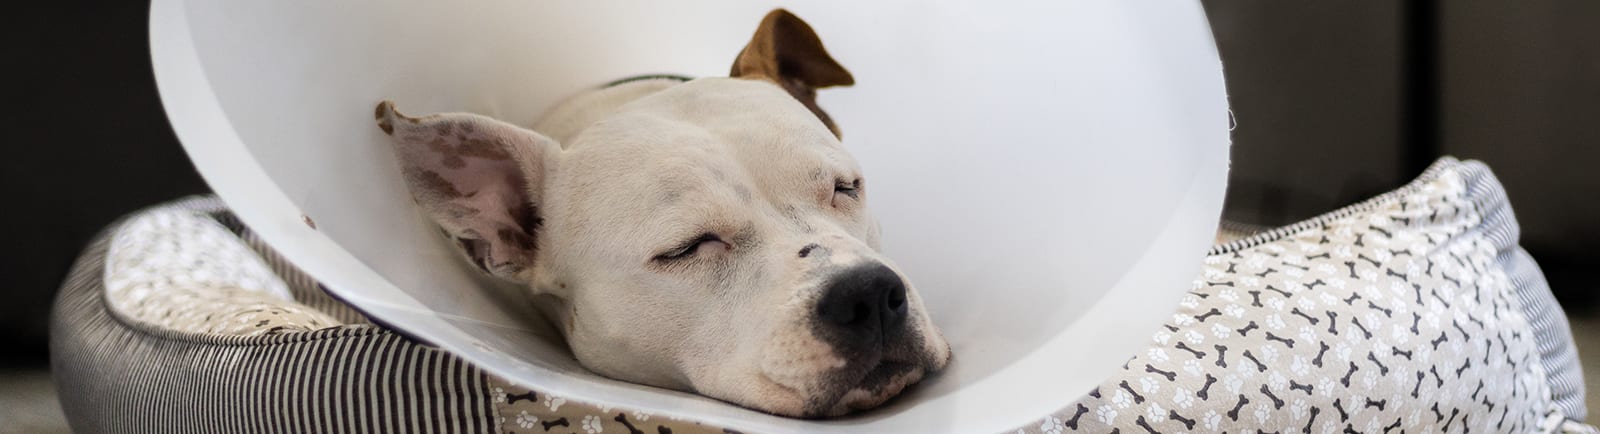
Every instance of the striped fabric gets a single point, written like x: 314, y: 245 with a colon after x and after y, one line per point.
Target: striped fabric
x: 114, y: 376
x: 1557, y: 352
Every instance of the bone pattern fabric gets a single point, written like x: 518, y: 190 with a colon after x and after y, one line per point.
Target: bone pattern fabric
x: 520, y: 410
x: 1396, y: 314
x: 1450, y: 233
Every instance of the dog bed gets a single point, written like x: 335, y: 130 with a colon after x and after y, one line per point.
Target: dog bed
x: 1413, y: 310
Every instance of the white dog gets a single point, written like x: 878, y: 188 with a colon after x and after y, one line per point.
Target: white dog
x: 709, y: 235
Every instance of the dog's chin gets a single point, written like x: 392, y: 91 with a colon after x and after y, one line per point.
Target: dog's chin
x: 880, y: 384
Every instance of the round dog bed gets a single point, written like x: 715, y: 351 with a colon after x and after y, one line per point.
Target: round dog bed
x: 1414, y: 309
x: 177, y: 318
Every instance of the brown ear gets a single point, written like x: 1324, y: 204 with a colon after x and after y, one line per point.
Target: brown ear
x: 478, y: 178
x: 785, y: 51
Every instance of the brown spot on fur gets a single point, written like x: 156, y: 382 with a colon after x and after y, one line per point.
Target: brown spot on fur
x: 785, y: 51
x: 432, y: 182
x: 808, y: 96
x: 452, y: 161
x: 464, y: 147
x: 458, y: 211
x: 308, y: 221
x: 481, y: 148
x: 449, y: 155
x: 386, y: 113
x: 382, y: 115
x: 784, y: 46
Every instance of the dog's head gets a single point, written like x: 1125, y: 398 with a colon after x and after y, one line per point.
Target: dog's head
x: 710, y: 236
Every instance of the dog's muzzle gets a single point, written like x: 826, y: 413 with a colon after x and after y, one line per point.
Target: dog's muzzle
x: 863, y: 315
x: 860, y: 309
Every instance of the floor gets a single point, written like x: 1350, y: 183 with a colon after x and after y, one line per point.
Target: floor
x: 1586, y: 331
x: 28, y: 402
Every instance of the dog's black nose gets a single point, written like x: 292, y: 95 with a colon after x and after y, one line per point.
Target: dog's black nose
x: 862, y: 304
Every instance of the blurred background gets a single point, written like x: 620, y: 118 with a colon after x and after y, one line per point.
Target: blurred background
x: 1335, y: 102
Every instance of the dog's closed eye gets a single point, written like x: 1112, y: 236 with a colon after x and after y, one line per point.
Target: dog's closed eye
x: 701, y: 244
x: 850, y: 189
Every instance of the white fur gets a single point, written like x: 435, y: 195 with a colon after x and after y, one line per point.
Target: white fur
x: 647, y: 164
x: 626, y: 175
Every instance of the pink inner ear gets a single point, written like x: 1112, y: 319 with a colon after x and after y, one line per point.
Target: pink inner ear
x: 461, y: 169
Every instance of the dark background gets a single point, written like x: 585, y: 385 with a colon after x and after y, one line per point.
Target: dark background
x: 87, y: 141
x: 1339, y: 101
x: 1335, y: 101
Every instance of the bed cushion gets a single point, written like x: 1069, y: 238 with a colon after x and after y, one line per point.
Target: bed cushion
x: 178, y: 270
x: 118, y: 371
x: 1413, y: 310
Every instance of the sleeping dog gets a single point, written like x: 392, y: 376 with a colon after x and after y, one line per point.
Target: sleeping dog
x: 709, y: 235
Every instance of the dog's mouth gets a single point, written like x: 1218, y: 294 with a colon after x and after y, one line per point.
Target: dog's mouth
x: 881, y: 383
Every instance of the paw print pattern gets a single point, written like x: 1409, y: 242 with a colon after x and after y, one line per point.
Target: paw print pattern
x: 1298, y: 409
x: 1220, y: 331
x: 1150, y: 385
x: 554, y: 403
x: 1262, y: 414
x: 1269, y: 354
x: 1299, y: 366
x: 1106, y: 414
x: 1155, y: 414
x: 1051, y: 425
x: 1233, y: 310
x: 1158, y: 354
x: 1325, y: 387
x: 1182, y: 398
x: 1121, y: 399
x: 1233, y: 383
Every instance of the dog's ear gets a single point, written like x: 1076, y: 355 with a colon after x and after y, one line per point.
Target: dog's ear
x: 786, y: 51
x: 479, y: 179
